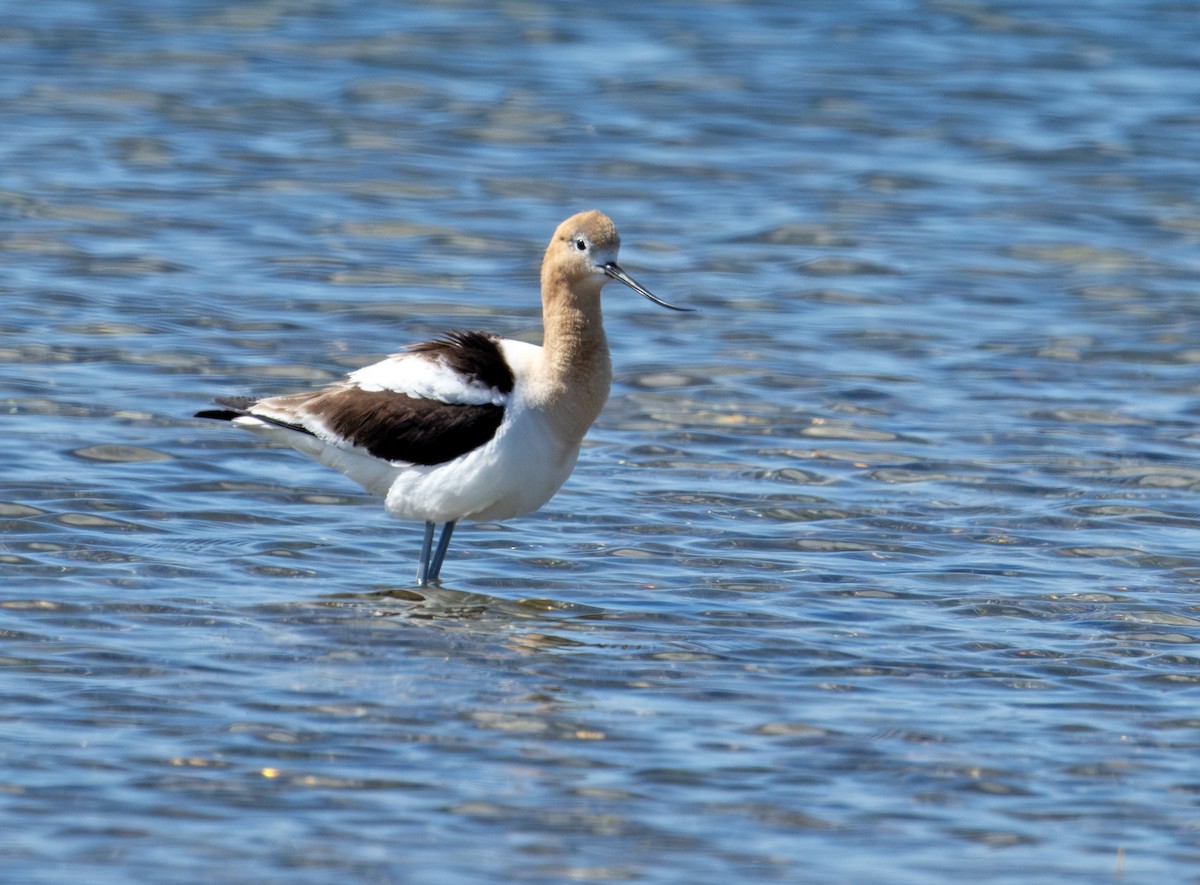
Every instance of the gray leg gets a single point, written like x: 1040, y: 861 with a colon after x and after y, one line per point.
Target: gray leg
x: 439, y: 555
x: 426, y: 547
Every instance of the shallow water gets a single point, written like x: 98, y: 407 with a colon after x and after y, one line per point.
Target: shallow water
x: 882, y: 567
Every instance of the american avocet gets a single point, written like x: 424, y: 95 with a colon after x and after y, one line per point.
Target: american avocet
x: 471, y: 425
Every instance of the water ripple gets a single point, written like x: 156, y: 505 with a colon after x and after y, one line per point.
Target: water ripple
x: 885, y: 560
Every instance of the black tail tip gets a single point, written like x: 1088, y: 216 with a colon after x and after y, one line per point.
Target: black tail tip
x: 219, y: 414
x: 232, y: 407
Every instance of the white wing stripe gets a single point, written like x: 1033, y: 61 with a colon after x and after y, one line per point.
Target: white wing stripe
x: 419, y: 376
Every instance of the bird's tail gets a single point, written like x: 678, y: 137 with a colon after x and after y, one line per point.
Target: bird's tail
x: 233, y: 407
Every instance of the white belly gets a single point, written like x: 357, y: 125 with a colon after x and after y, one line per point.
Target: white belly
x: 514, y: 473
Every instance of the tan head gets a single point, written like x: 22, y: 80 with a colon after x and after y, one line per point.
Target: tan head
x: 582, y: 256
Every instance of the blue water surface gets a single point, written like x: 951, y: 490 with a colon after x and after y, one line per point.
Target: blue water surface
x: 880, y: 568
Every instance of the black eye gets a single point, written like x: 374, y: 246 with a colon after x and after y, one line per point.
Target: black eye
x: 581, y: 244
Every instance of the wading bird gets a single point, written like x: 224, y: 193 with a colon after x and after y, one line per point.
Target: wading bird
x: 471, y: 425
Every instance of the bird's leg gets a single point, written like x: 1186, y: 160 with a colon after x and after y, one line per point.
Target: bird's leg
x: 439, y: 555
x: 426, y: 547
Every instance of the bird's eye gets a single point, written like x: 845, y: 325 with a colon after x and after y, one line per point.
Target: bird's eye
x: 581, y: 244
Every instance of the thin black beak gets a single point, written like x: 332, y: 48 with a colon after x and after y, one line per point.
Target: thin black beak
x: 614, y: 271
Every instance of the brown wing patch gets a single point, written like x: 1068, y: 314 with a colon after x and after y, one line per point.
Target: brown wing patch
x: 396, y: 427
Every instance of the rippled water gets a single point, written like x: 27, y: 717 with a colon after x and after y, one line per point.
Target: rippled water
x: 883, y: 567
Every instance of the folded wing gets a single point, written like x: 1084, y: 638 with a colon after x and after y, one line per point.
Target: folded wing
x: 429, y: 405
